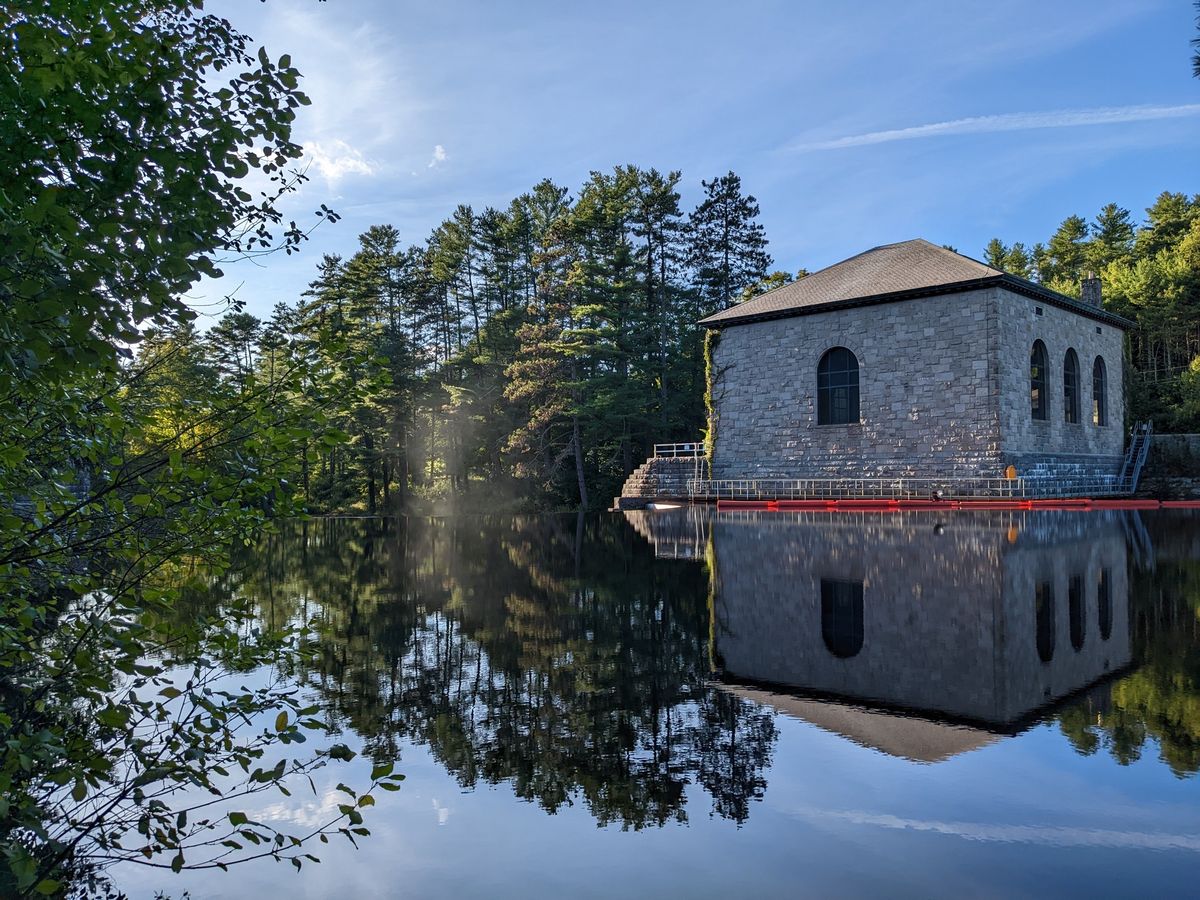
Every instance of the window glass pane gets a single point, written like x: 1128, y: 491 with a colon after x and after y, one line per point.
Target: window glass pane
x: 1076, y: 611
x: 1104, y: 601
x: 1044, y: 617
x: 1099, y: 393
x: 1037, y: 381
x: 842, y: 616
x: 837, y: 388
x: 1071, y: 387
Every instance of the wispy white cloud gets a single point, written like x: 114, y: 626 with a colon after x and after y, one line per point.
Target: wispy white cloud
x: 439, y: 157
x: 443, y: 812
x: 1066, y: 118
x: 336, y: 159
x: 308, y: 813
x: 1047, y: 835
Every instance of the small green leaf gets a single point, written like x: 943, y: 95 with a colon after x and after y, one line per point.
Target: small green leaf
x: 381, y: 771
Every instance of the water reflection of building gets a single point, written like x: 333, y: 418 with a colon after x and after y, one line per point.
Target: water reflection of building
x: 918, y: 635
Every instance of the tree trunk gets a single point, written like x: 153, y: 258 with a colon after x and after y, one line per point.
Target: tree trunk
x: 583, y: 497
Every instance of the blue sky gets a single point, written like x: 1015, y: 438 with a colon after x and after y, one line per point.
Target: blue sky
x: 853, y: 123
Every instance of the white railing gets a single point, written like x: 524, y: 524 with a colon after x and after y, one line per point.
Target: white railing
x: 692, y: 450
x: 902, y: 488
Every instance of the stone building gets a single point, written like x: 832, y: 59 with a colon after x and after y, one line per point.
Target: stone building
x: 909, y: 633
x: 984, y: 619
x: 913, y: 360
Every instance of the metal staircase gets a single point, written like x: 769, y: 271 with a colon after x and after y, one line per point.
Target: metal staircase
x: 1135, y: 456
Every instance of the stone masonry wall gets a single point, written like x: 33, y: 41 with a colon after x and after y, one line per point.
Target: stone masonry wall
x: 949, y: 612
x: 925, y: 392
x: 943, y: 391
x: 1172, y: 467
x: 1026, y: 441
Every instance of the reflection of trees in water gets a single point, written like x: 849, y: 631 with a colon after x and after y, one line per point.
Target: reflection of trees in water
x: 565, y: 662
x: 1161, y: 698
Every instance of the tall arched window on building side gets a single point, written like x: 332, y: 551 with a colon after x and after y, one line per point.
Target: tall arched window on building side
x: 1076, y: 611
x: 1105, y: 604
x: 1099, y: 392
x: 1038, y: 399
x: 837, y: 388
x: 1071, y: 387
x: 842, y: 616
x: 1044, y: 620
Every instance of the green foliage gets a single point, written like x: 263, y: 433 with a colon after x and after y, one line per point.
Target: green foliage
x: 123, y: 725
x: 712, y: 338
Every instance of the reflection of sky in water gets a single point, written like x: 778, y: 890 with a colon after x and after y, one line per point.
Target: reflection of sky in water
x: 1023, y: 814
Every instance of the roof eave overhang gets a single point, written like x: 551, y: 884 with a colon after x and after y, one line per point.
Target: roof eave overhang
x: 1009, y: 282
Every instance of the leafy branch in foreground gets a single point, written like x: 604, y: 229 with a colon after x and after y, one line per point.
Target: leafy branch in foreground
x: 127, y: 730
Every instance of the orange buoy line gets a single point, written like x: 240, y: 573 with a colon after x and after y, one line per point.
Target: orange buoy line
x: 995, y: 504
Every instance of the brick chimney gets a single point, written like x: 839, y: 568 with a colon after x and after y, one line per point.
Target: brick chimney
x: 1089, y: 291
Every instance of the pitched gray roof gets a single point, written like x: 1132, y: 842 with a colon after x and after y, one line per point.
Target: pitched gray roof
x: 891, y: 272
x: 908, y: 736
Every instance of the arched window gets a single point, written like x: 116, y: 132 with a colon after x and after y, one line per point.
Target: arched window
x: 837, y: 388
x: 842, y: 616
x: 1038, y: 401
x: 1044, y: 618
x: 1099, y: 392
x: 1104, y: 601
x: 1076, y: 612
x: 1071, y: 387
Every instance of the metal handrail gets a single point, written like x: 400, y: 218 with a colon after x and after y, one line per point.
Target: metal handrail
x: 688, y: 450
x: 902, y: 488
x: 1146, y: 431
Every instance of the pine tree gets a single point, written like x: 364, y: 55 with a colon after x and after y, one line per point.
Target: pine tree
x: 1167, y: 220
x: 234, y: 343
x: 1018, y: 261
x: 544, y: 376
x: 1065, y: 255
x: 995, y: 254
x: 1112, y: 237
x: 728, y: 247
x: 657, y: 226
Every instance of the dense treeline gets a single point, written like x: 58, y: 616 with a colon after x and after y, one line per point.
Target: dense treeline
x: 1150, y: 273
x: 540, y: 349
x: 531, y: 355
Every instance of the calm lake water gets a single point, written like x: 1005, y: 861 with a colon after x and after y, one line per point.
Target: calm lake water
x: 702, y: 704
